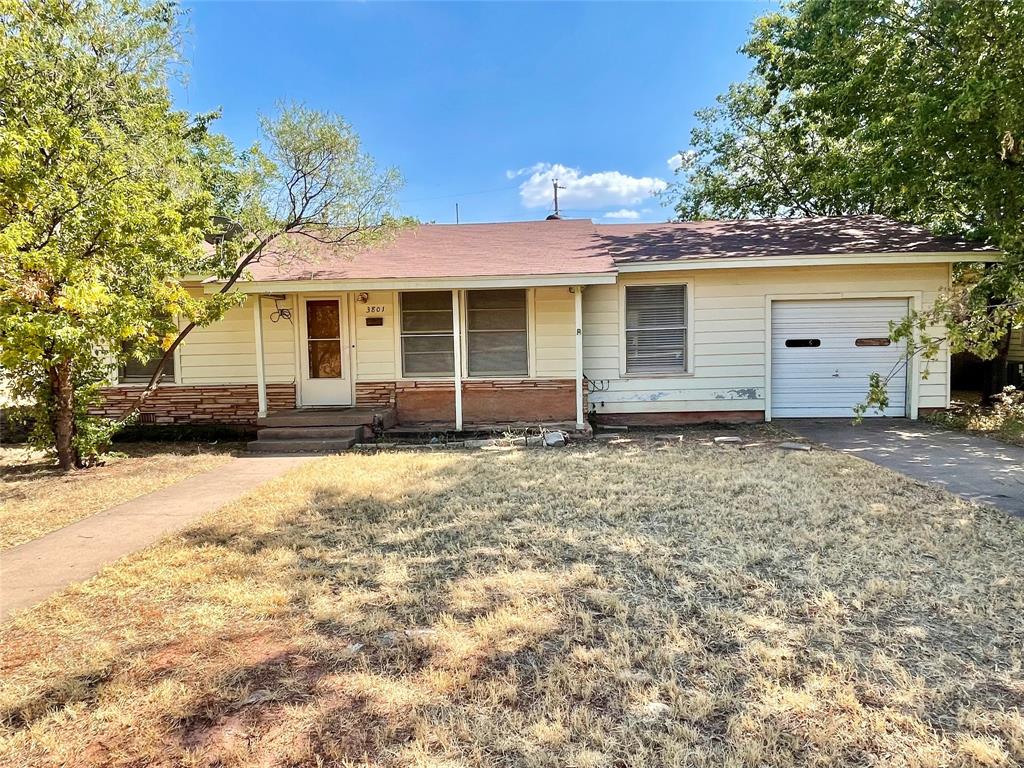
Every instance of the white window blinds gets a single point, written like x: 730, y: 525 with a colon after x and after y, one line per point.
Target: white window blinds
x: 656, y: 329
x: 427, y: 334
x: 496, y: 336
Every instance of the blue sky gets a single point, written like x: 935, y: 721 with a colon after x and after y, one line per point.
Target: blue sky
x: 481, y: 103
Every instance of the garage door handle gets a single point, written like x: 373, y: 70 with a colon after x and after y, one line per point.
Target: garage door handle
x: 836, y: 374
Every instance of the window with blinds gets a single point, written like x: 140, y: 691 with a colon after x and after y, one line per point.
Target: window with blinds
x: 656, y: 329
x: 427, y: 334
x: 496, y: 340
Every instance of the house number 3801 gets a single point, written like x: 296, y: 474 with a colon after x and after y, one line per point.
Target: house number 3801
x: 375, y: 309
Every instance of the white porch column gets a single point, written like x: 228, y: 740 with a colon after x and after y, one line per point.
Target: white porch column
x: 578, y: 290
x: 261, y: 378
x: 457, y: 356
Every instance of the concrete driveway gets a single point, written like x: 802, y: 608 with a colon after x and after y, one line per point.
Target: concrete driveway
x: 979, y: 469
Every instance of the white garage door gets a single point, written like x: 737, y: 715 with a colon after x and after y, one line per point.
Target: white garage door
x: 824, y: 351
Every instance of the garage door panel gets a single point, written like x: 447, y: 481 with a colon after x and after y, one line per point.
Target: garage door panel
x: 804, y: 376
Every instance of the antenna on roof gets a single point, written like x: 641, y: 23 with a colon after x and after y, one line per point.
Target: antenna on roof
x: 557, y: 214
x: 456, y: 213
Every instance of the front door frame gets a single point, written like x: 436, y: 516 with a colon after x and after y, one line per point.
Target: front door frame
x: 346, y: 391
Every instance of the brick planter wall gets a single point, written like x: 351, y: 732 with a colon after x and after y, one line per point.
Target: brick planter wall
x: 487, y: 402
x: 375, y: 394
x: 533, y: 400
x: 416, y: 402
x: 425, y: 402
x: 198, y: 403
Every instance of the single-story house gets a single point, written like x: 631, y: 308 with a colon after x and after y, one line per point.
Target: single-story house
x: 561, y: 320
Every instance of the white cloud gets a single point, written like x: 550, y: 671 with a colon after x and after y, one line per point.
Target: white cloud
x: 528, y: 169
x: 623, y: 213
x: 583, y: 191
x: 676, y: 161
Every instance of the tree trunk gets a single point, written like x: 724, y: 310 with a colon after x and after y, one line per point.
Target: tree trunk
x: 62, y: 418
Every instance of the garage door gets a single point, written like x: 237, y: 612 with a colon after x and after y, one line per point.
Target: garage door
x: 824, y: 351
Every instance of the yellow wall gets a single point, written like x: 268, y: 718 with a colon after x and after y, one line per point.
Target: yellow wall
x: 1016, y: 350
x: 376, y: 356
x: 225, y: 352
x: 554, y: 333
x: 728, y: 333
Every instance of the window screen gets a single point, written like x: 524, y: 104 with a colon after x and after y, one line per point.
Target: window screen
x: 656, y: 329
x: 496, y: 333
x: 427, y: 334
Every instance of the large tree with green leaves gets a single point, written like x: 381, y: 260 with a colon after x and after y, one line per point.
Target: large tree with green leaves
x: 100, y: 202
x: 107, y: 192
x: 913, y: 110
x: 305, y: 184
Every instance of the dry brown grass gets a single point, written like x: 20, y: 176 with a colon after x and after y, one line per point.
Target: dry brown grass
x: 37, y: 498
x: 643, y: 605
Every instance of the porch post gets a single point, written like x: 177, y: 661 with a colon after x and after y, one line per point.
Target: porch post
x: 457, y: 358
x: 261, y: 379
x: 578, y: 291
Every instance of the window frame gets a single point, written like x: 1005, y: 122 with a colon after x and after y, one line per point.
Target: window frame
x: 174, y: 378
x: 400, y: 338
x: 688, y: 351
x: 464, y: 336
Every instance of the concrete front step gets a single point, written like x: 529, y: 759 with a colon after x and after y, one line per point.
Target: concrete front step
x: 333, y: 445
x: 311, y: 433
x: 334, y: 417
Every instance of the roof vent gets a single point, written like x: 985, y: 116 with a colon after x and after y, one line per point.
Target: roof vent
x: 553, y: 217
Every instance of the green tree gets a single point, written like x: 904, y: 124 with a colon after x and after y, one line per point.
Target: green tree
x: 909, y: 110
x: 107, y: 192
x: 100, y: 204
x: 306, y: 184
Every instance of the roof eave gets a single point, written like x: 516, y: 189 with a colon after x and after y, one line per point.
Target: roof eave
x: 424, y: 283
x: 810, y: 260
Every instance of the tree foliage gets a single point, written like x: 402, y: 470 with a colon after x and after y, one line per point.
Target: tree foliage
x: 107, y: 192
x: 100, y: 205
x: 306, y: 184
x: 912, y: 110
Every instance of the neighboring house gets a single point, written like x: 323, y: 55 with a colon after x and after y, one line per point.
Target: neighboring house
x: 1015, y: 358
x: 548, y: 321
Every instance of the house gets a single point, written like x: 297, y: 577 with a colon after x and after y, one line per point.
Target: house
x: 558, y: 320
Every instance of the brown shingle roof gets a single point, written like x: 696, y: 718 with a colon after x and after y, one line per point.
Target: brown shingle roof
x: 576, y: 247
x: 565, y: 247
x: 644, y: 243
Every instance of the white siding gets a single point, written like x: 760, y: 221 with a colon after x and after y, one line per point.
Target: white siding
x: 554, y: 333
x: 225, y: 352
x: 1015, y: 353
x: 728, y: 334
x: 376, y: 353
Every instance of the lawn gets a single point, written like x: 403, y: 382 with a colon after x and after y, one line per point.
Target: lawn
x: 638, y: 604
x: 37, y: 498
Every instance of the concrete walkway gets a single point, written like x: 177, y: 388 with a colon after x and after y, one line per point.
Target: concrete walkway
x: 976, y: 468
x: 31, y: 572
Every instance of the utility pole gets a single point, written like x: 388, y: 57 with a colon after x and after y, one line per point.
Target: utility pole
x: 554, y: 185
